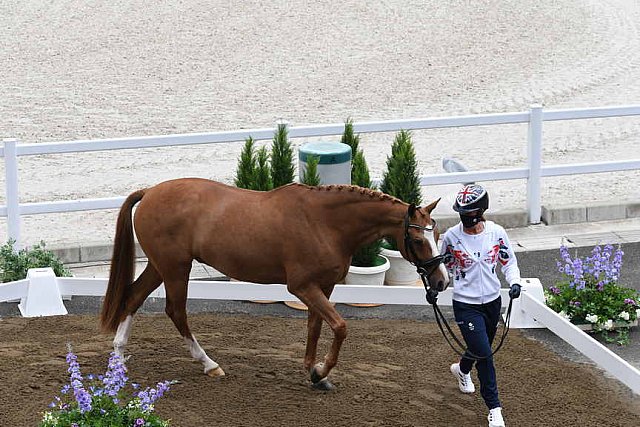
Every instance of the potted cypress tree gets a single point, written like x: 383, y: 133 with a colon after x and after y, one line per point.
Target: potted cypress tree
x: 246, y: 166
x: 401, y: 180
x: 256, y: 172
x: 282, y: 167
x: 310, y: 177
x: 368, y: 266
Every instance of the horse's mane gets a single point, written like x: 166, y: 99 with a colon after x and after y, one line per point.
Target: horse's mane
x: 345, y: 188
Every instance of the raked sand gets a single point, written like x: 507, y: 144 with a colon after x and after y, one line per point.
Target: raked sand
x: 84, y: 70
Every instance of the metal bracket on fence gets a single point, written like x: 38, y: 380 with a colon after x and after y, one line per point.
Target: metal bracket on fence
x: 43, y: 295
x: 519, y: 317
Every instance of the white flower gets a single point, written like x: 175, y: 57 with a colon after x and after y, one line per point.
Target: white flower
x: 592, y: 318
x: 608, y: 325
x: 624, y: 315
x: 565, y: 315
x: 638, y: 313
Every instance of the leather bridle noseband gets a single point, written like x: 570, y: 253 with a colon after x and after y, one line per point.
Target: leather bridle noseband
x: 427, y: 267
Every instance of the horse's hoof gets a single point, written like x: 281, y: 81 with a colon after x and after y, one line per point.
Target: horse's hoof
x: 315, y: 376
x: 216, y: 372
x: 323, y: 385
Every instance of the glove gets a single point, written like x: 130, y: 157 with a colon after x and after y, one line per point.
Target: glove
x: 514, y: 291
x: 432, y: 296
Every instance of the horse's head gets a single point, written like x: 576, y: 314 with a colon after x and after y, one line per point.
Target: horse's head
x: 419, y: 245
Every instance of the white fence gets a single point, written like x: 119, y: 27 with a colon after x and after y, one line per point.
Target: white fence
x: 533, y: 173
x: 41, y: 295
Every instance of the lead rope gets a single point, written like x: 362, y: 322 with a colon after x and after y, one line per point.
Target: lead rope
x: 463, y: 351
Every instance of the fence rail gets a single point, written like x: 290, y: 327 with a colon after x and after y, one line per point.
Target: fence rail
x: 533, y: 173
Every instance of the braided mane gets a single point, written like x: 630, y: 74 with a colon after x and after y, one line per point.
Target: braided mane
x: 374, y: 194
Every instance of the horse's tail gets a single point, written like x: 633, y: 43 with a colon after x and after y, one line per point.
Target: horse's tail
x: 122, y: 266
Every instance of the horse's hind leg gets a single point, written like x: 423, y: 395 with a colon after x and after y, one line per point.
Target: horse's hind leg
x: 148, y: 281
x: 176, y: 309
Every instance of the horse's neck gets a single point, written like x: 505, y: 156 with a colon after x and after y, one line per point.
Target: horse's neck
x: 363, y: 219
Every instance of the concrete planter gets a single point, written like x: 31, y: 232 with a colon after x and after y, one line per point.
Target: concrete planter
x: 401, y: 272
x: 371, y: 276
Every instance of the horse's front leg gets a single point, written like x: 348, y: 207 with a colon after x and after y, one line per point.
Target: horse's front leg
x: 314, y: 327
x: 318, y: 302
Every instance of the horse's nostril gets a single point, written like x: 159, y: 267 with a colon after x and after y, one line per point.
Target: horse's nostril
x: 440, y: 285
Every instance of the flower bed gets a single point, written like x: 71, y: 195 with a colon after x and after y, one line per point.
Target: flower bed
x: 104, y: 400
x: 590, y: 296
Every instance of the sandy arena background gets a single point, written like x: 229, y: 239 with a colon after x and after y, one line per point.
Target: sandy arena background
x: 83, y: 70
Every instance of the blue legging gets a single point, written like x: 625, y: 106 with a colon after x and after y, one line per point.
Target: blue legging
x: 478, y: 324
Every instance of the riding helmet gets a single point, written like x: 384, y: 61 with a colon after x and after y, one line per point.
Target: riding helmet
x: 471, y: 198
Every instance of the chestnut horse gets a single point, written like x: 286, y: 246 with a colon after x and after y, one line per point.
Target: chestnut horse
x: 297, y: 235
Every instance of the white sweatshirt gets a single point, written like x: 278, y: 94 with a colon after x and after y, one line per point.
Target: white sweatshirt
x: 472, y: 261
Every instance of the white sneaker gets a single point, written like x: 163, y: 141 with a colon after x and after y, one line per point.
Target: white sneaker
x: 495, y: 418
x: 464, y: 380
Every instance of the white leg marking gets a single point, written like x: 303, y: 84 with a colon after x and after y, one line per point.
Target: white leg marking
x: 122, y: 336
x: 198, y: 354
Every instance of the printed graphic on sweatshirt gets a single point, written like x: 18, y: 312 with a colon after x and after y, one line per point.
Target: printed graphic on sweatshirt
x: 498, y: 253
x: 457, y: 261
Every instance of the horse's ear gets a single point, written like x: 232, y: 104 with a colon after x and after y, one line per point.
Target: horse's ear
x: 432, y: 206
x: 412, y: 210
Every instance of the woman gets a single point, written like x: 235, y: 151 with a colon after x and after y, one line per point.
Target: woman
x: 472, y: 250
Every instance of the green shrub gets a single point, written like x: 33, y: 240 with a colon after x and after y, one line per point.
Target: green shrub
x: 245, y: 173
x: 15, y: 264
x: 262, y: 180
x: 353, y: 141
x: 360, y: 171
x: 282, y: 167
x: 401, y: 178
x: 367, y: 255
x: 258, y: 170
x: 310, y: 175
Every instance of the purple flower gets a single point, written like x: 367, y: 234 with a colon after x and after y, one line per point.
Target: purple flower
x: 629, y: 301
x: 148, y: 396
x: 81, y: 395
x: 116, y: 376
x: 139, y: 422
x: 554, y: 290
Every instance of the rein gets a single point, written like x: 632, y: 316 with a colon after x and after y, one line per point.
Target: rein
x: 462, y: 351
x: 425, y: 270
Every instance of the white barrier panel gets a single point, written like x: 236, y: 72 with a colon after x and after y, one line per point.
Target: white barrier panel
x: 43, y: 296
x: 13, y: 290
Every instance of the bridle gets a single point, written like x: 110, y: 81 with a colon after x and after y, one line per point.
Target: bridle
x: 425, y: 269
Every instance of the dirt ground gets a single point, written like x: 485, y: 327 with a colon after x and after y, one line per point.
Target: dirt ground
x: 391, y: 373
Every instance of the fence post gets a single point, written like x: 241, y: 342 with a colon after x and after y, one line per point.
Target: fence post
x: 12, y: 194
x: 535, y: 164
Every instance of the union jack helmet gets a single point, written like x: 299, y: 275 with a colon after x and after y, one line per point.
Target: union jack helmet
x: 471, y: 198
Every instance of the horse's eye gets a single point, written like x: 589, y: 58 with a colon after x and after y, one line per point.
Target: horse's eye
x: 418, y: 241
